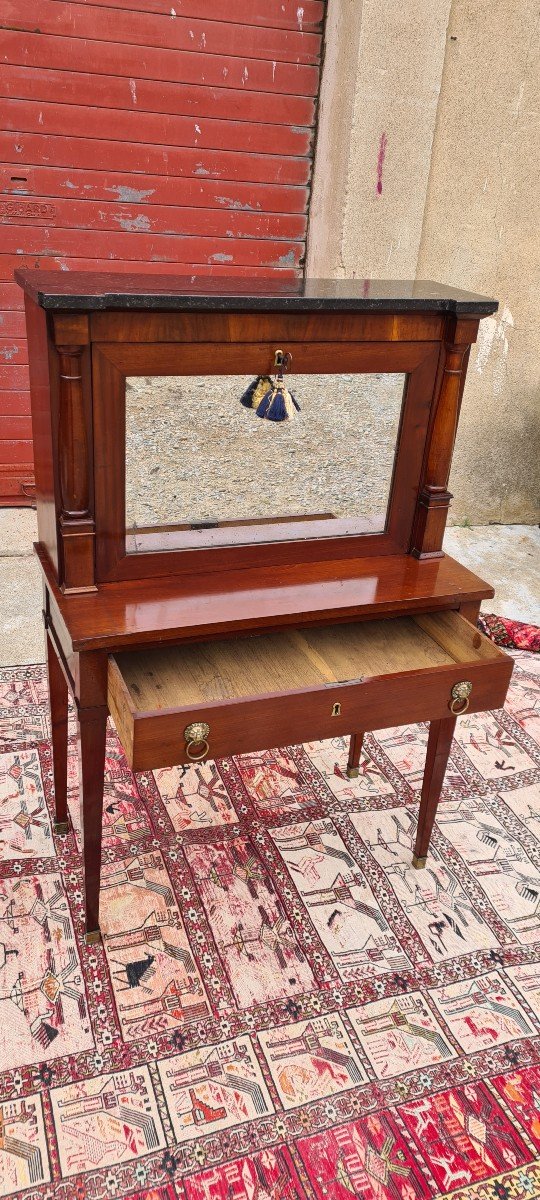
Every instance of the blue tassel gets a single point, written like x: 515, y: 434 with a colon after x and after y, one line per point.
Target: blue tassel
x: 262, y: 410
x: 277, y: 404
x: 274, y: 406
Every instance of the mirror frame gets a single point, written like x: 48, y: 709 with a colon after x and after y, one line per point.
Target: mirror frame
x: 113, y: 363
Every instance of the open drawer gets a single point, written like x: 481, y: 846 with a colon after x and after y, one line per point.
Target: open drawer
x: 210, y: 699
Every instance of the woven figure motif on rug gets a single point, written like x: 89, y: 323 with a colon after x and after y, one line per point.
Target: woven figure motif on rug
x: 282, y: 1008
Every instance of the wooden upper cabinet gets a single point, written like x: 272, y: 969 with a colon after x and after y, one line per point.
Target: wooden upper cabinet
x: 148, y: 465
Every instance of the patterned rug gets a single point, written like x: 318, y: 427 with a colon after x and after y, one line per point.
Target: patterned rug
x: 513, y: 635
x: 282, y: 1009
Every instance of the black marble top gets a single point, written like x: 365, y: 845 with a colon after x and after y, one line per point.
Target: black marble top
x: 86, y: 291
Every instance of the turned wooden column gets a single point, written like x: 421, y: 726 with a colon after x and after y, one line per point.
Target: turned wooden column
x: 434, y: 497
x: 75, y: 465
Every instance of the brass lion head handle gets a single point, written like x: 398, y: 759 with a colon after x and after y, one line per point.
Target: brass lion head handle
x: 197, y: 744
x: 460, y: 693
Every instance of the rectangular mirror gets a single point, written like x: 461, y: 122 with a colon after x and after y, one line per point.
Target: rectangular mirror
x: 202, y: 470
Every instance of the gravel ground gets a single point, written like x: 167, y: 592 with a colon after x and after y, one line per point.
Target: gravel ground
x: 194, y: 453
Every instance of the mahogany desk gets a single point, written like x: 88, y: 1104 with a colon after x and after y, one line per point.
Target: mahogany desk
x: 204, y: 640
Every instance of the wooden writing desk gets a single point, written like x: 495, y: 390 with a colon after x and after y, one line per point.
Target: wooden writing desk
x: 205, y: 638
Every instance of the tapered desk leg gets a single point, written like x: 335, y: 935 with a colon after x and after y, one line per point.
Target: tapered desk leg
x: 355, y: 750
x: 438, y: 749
x: 92, y: 736
x: 58, y: 698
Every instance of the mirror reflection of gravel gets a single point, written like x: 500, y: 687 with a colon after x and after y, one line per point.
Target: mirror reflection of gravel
x: 194, y: 454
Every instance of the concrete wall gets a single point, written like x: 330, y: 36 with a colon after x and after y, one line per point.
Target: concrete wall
x: 427, y: 166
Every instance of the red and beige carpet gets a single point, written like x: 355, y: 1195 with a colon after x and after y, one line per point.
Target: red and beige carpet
x: 282, y: 1008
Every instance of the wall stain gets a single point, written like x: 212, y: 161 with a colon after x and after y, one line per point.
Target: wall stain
x: 380, y: 162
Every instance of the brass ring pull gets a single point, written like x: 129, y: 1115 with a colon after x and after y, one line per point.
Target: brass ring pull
x: 460, y: 697
x: 202, y: 752
x: 197, y: 744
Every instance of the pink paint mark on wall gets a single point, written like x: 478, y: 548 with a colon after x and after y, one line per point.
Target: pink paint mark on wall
x: 380, y: 161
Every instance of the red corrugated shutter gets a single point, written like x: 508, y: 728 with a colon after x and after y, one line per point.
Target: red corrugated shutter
x: 148, y: 135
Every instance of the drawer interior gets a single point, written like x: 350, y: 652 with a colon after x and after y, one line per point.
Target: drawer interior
x: 189, y: 675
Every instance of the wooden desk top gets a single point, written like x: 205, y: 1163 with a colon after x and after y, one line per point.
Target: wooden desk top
x: 96, y: 290
x: 174, y: 608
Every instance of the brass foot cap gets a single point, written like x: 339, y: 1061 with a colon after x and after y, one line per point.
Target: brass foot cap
x: 61, y: 826
x: 352, y: 772
x: 418, y: 863
x: 93, y: 939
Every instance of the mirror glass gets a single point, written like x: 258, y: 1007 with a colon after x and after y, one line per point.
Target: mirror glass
x: 201, y: 469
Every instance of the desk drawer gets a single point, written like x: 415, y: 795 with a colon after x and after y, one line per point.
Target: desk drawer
x: 278, y: 689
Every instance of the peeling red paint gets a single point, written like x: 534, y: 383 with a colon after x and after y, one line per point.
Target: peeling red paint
x: 380, y: 161
x: 169, y: 145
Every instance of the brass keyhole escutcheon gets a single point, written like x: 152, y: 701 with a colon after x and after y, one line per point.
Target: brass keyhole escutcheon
x: 336, y: 709
x: 282, y: 360
x: 460, y: 694
x: 197, y: 744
